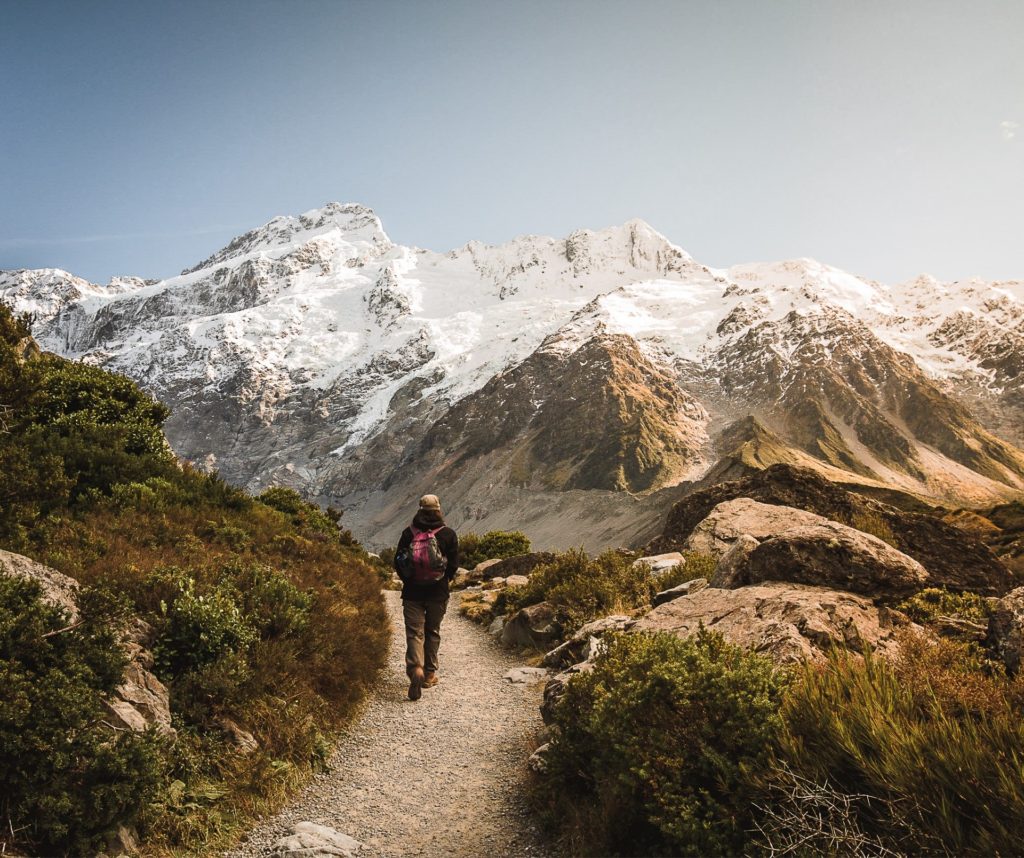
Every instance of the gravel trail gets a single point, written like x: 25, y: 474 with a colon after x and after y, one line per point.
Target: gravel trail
x: 442, y: 776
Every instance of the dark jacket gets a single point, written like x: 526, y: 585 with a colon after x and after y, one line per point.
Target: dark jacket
x: 448, y: 542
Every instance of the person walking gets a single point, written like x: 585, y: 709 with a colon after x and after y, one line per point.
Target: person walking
x: 426, y: 561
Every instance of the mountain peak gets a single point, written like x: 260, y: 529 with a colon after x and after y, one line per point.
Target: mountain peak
x: 351, y: 223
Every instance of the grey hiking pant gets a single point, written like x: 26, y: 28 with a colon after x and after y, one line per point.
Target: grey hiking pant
x: 422, y: 633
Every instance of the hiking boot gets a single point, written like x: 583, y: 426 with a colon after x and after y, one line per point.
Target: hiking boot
x: 430, y: 680
x: 416, y: 679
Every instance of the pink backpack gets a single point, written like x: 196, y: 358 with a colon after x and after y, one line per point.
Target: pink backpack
x: 428, y: 561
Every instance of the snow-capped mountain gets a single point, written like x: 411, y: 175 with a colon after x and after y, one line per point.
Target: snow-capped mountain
x: 559, y: 385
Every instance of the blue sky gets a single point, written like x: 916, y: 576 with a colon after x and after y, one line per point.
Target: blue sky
x: 886, y: 138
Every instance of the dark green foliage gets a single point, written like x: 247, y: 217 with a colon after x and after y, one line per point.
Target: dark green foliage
x: 305, y: 514
x: 493, y: 545
x: 67, y: 429
x: 65, y: 777
x: 200, y: 626
x: 654, y: 745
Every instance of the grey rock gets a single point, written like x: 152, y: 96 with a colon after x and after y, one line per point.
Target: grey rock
x: 533, y: 626
x: 58, y: 589
x: 310, y: 840
x: 732, y: 519
x: 660, y: 562
x: 802, y: 548
x: 526, y: 675
x: 517, y: 581
x: 538, y: 759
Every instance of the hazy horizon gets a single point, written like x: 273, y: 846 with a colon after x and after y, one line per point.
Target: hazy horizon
x: 885, y: 139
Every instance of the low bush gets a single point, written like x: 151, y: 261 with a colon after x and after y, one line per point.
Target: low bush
x: 493, y: 545
x: 654, y: 747
x: 582, y: 588
x: 934, y: 602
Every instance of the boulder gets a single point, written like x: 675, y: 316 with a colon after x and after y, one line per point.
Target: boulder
x: 463, y: 578
x: 833, y: 555
x: 660, y: 562
x: 729, y: 569
x: 1006, y: 629
x: 579, y: 647
x: 58, y: 589
x: 803, y: 548
x: 310, y: 840
x: 517, y: 581
x: 520, y: 564
x: 533, y: 626
x: 496, y: 626
x: 684, y: 589
x: 141, y: 700
x: 955, y: 559
x: 730, y: 520
x: 788, y: 622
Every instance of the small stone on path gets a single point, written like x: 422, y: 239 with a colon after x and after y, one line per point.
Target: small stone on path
x: 527, y: 675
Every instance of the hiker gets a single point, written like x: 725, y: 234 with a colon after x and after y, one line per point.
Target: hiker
x: 426, y: 560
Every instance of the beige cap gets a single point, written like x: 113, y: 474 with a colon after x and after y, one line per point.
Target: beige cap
x: 430, y: 502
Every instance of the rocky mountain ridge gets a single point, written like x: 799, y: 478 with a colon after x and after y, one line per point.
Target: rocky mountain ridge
x: 565, y: 385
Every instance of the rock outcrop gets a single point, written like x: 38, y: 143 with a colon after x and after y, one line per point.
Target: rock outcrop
x: 765, y: 542
x: 788, y: 622
x: 57, y: 589
x: 520, y: 564
x: 684, y: 589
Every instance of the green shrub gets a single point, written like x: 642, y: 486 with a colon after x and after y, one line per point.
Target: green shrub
x: 936, y: 741
x: 493, y: 545
x: 271, y: 602
x: 305, y: 514
x: 930, y: 604
x: 655, y: 745
x: 582, y: 588
x: 200, y: 626
x: 65, y: 777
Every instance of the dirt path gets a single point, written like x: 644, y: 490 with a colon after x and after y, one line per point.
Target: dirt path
x: 442, y: 776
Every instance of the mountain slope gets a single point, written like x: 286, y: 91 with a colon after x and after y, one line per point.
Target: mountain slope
x: 527, y: 380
